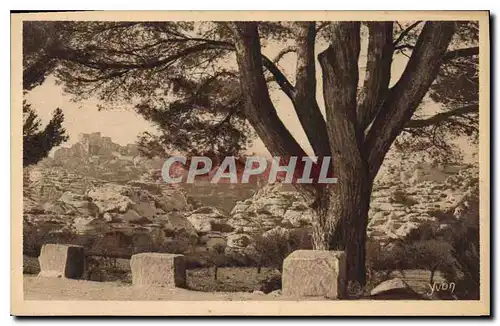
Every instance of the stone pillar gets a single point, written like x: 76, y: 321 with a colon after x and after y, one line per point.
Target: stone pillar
x: 61, y: 260
x: 315, y: 273
x: 156, y: 269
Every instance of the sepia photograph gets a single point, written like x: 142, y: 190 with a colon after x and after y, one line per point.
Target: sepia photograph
x: 250, y: 163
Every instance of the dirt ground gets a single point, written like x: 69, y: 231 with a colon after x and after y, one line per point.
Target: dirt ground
x: 39, y: 288
x: 233, y: 284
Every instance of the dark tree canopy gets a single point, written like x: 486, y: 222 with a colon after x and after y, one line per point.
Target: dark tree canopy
x: 183, y: 78
x: 38, y: 142
x: 40, y: 41
x: 456, y: 89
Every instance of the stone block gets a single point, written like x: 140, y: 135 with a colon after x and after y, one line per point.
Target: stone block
x: 62, y: 260
x: 317, y: 273
x: 157, y: 269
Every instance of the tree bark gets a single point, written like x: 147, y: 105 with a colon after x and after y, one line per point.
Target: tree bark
x: 404, y: 98
x: 259, y: 109
x: 304, y: 100
x: 354, y: 207
x: 342, y: 221
x: 378, y: 72
x: 327, y: 219
x: 340, y: 79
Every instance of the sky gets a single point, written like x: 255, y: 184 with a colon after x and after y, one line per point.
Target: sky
x: 123, y: 125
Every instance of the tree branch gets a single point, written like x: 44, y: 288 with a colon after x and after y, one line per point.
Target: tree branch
x: 441, y: 117
x: 321, y: 26
x: 339, y: 65
x: 283, y: 52
x: 279, y: 77
x: 305, y: 103
x: 405, y: 32
x: 83, y: 59
x: 207, y: 44
x: 407, y: 93
x: 465, y: 52
x: 378, y: 72
x: 259, y: 109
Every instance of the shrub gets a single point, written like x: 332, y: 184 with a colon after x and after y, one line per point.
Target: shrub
x: 465, y: 250
x: 175, y: 246
x: 105, y: 269
x: 385, y: 259
x: 271, y: 249
x: 197, y: 260
x: 270, y: 283
x: 218, y: 257
x: 454, y: 250
x: 301, y: 239
x: 432, y: 255
x: 114, y: 244
x: 425, y: 231
x: 31, y: 265
x: 34, y: 239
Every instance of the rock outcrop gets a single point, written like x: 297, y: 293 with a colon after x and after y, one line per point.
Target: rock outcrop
x: 394, y: 289
x: 403, y: 198
x: 273, y: 205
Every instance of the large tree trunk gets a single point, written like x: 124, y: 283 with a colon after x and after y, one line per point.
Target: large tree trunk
x: 359, y: 136
x: 353, y: 188
x: 342, y: 217
x: 353, y: 207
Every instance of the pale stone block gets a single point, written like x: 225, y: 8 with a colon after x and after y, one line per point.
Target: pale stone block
x: 157, y: 269
x: 61, y: 260
x: 315, y: 273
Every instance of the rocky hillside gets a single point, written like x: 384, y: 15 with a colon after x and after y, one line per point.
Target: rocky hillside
x: 402, y: 199
x: 273, y: 205
x: 98, y: 188
x: 99, y: 157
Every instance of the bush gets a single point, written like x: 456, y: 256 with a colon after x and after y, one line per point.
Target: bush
x: 432, y: 255
x: 270, y: 283
x: 31, y: 265
x: 218, y: 257
x: 221, y: 227
x: 175, y: 246
x: 425, y: 231
x: 385, y: 259
x: 114, y: 244
x: 301, y: 239
x: 271, y: 249
x: 454, y: 250
x: 465, y: 250
x: 34, y: 239
x: 105, y: 269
